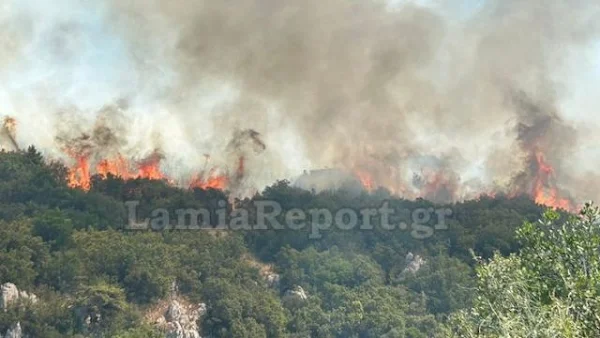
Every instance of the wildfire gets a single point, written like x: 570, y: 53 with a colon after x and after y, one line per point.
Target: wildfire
x: 490, y: 194
x: 543, y: 190
x: 209, y: 179
x: 366, y: 180
x: 79, y: 174
x: 118, y: 167
x: 432, y: 184
x: 9, y: 128
x: 439, y: 185
x: 436, y: 184
x: 213, y: 181
x: 150, y: 167
x: 539, y: 182
x: 241, y: 169
x: 10, y: 124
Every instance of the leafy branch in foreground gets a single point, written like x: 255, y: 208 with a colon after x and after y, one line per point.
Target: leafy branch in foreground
x: 551, y: 288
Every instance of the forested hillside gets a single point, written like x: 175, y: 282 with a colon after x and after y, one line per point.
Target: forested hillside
x: 93, y: 276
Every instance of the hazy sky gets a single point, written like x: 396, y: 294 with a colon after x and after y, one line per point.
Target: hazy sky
x: 94, y: 66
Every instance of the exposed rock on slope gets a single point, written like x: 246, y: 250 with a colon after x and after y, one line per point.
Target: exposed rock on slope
x: 413, y: 265
x: 177, y: 317
x: 297, y: 293
x: 10, y: 294
x: 14, y: 332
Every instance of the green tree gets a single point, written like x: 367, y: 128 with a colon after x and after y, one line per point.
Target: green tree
x: 101, y: 309
x: 53, y: 227
x: 551, y: 288
x: 22, y: 254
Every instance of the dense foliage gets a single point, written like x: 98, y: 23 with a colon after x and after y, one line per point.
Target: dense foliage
x: 72, y: 249
x: 551, y: 288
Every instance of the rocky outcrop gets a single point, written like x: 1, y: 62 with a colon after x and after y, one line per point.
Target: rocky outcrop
x: 178, y: 318
x: 413, y: 264
x: 297, y: 293
x: 295, y: 297
x: 10, y: 294
x: 273, y: 280
x: 87, y: 319
x: 266, y: 271
x: 14, y: 332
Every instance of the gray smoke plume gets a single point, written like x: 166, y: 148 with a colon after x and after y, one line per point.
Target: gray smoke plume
x: 393, y: 90
x: 8, y: 134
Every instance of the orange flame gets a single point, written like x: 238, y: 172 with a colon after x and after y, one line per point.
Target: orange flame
x: 365, y: 179
x: 78, y: 175
x: 118, y: 167
x: 543, y: 191
x: 434, y: 184
x: 149, y: 168
x: 213, y: 181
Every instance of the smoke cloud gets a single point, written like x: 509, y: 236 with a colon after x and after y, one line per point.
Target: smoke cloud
x: 426, y: 99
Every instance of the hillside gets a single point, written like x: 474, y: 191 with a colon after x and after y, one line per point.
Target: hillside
x: 94, y: 275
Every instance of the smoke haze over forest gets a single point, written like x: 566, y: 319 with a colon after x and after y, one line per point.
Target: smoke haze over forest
x: 471, y: 98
